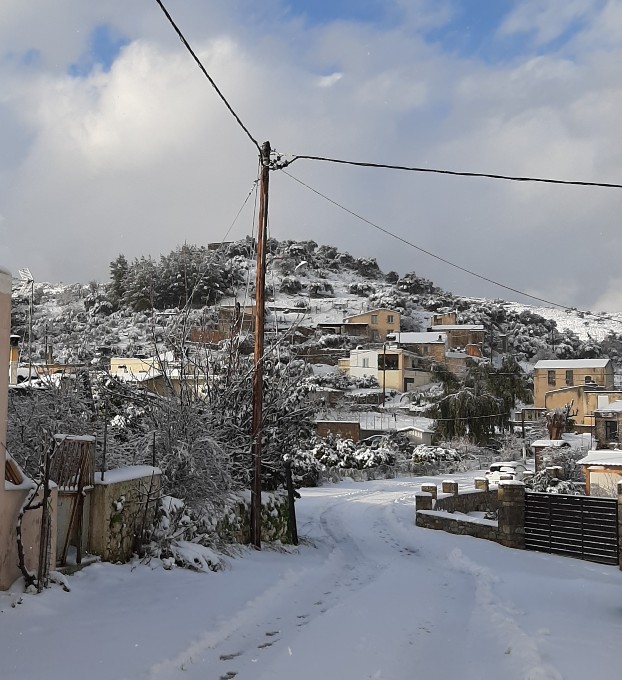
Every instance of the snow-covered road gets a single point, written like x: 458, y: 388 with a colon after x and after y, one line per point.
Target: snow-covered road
x: 367, y: 595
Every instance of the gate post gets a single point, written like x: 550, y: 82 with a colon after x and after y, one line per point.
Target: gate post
x: 511, y: 514
x: 620, y: 524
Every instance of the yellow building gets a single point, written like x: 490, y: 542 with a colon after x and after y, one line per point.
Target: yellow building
x: 585, y: 400
x: 550, y: 375
x: 379, y: 322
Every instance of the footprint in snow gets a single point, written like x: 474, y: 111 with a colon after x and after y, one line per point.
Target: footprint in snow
x: 228, y: 675
x: 228, y: 657
x: 272, y: 633
x: 263, y: 645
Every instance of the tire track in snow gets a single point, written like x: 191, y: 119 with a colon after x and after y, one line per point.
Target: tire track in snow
x: 521, y: 646
x: 305, y: 591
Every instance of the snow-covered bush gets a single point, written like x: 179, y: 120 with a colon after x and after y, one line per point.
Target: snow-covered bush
x: 548, y: 483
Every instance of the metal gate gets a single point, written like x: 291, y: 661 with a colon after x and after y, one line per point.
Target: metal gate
x: 576, y: 526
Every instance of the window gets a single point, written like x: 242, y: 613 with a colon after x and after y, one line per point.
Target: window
x: 551, y: 378
x: 365, y: 363
x: 611, y: 430
x: 374, y: 318
x: 569, y: 377
x: 388, y: 362
x: 389, y: 318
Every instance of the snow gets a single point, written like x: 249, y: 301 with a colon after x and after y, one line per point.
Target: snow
x: 605, y: 458
x: 125, y: 474
x: 366, y: 595
x: 418, y: 338
x: 572, y: 363
x: 459, y: 327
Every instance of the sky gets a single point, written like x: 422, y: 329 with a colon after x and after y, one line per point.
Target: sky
x: 366, y: 595
x: 114, y: 142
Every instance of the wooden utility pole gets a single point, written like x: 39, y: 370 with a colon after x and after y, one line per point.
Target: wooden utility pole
x: 260, y: 287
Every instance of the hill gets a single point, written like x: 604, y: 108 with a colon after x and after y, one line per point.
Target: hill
x: 142, y: 304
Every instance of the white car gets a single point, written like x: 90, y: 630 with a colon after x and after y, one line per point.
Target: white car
x: 509, y: 469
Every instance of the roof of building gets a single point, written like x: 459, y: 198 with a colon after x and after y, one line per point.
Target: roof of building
x: 459, y: 327
x: 613, y: 406
x: 604, y: 457
x: 371, y: 311
x: 427, y: 338
x: 572, y: 363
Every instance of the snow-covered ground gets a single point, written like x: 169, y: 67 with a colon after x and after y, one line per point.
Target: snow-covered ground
x: 367, y: 595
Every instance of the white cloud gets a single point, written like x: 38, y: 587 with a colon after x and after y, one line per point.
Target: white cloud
x: 145, y: 156
x: 329, y: 80
x: 547, y: 19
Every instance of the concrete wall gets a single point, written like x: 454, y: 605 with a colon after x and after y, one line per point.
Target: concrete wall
x: 12, y: 496
x: 12, y: 500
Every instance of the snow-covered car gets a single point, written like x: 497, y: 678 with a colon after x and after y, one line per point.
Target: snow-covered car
x: 509, y: 469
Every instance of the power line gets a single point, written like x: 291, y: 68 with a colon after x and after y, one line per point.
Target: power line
x: 455, y: 173
x: 423, y: 250
x: 207, y: 75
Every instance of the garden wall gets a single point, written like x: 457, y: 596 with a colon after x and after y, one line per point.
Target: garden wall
x: 123, y: 506
x: 437, y: 511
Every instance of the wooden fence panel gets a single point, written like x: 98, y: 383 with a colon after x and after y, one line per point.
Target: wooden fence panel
x: 577, y: 526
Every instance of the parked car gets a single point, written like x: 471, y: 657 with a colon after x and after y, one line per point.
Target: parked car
x: 516, y: 469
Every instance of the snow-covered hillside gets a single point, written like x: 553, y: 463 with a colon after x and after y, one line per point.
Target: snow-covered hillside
x: 306, y: 285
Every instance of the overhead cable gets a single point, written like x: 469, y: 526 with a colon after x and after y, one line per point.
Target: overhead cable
x: 423, y: 250
x: 511, y: 178
x: 207, y: 75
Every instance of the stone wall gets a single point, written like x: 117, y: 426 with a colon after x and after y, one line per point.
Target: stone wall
x: 235, y: 525
x: 123, y: 506
x: 508, y: 499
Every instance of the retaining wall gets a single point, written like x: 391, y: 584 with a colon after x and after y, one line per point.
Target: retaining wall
x: 508, y: 499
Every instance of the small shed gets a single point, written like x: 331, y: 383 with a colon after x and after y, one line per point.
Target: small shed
x: 603, y: 471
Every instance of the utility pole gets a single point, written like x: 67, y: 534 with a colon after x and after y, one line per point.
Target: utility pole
x: 384, y: 372
x: 260, y: 287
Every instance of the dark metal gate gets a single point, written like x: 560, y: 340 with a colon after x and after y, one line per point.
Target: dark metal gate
x: 576, y: 526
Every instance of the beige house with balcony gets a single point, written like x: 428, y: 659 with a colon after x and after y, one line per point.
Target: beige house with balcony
x: 394, y: 368
x: 557, y: 374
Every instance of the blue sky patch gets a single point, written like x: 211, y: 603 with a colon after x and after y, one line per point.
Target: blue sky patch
x: 104, y: 45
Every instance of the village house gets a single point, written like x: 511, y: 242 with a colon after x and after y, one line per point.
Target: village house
x: 555, y: 374
x: 608, y: 424
x: 585, y: 400
x: 371, y: 326
x: 603, y: 471
x: 444, y: 318
x: 379, y: 322
x: 430, y: 345
x: 469, y: 337
x: 394, y: 368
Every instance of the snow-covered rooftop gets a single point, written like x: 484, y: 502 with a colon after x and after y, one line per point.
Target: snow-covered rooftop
x: 459, y: 327
x: 615, y: 406
x: 604, y: 457
x: 418, y: 338
x: 572, y: 363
